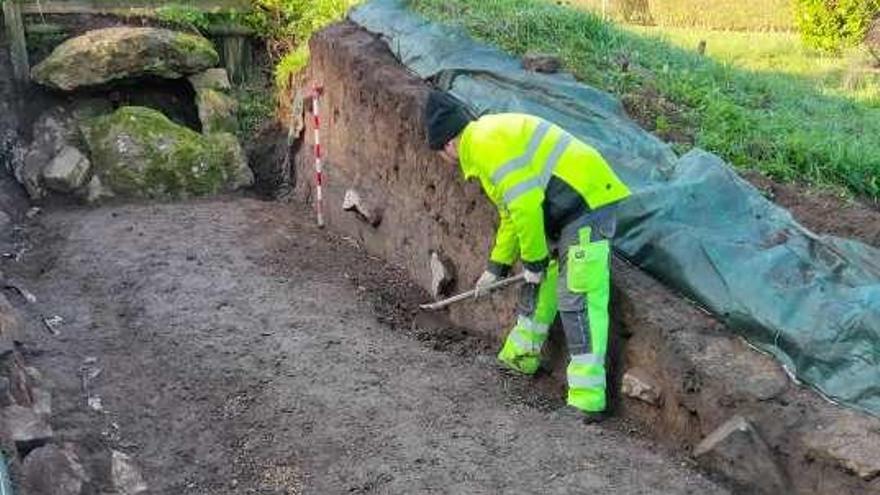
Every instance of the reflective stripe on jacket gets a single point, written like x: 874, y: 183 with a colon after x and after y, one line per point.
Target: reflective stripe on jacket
x: 514, y: 156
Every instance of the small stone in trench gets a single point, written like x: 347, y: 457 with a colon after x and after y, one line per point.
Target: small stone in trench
x: 53, y: 324
x: 26, y: 294
x: 638, y: 384
x: 95, y: 403
x: 67, y: 171
x: 127, y: 478
x: 353, y: 202
x: 442, y: 276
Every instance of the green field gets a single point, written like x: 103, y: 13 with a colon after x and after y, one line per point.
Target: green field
x: 848, y: 76
x: 775, y: 15
x: 757, y: 99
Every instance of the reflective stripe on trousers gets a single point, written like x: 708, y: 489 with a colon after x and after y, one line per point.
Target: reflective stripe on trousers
x: 529, y: 335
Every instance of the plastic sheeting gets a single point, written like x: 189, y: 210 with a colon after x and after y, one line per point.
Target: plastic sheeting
x: 814, y: 303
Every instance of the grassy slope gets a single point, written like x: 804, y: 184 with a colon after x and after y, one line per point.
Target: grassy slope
x: 782, y: 112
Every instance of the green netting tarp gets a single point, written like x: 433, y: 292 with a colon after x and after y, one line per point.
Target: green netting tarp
x: 813, y: 302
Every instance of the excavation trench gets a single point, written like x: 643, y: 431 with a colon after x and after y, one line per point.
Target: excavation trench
x: 686, y: 376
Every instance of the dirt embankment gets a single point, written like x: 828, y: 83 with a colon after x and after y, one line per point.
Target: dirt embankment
x: 686, y: 378
x: 824, y: 212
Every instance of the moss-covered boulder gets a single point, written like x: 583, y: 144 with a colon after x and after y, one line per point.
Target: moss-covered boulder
x: 105, y: 55
x: 138, y: 152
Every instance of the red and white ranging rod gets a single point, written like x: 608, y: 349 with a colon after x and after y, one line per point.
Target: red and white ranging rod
x: 319, y: 166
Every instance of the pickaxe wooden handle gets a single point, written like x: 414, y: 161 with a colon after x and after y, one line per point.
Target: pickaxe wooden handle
x: 470, y: 294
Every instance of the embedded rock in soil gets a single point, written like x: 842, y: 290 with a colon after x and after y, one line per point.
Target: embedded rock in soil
x: 138, y: 152
x: 26, y: 428
x: 638, y: 384
x: 105, y: 55
x: 851, y: 442
x: 216, y: 78
x: 51, y: 470
x: 52, y: 131
x: 67, y: 171
x: 442, y: 276
x: 95, y: 192
x: 738, y: 447
x: 540, y: 62
x: 216, y: 111
x: 355, y: 203
x: 216, y: 108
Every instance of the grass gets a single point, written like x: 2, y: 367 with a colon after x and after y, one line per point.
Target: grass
x: 848, y: 75
x: 760, y: 102
x: 768, y: 15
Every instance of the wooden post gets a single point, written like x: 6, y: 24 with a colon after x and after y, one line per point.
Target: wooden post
x: 701, y: 47
x: 17, y: 44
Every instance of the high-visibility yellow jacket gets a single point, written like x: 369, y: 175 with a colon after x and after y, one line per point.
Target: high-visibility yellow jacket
x: 514, y: 156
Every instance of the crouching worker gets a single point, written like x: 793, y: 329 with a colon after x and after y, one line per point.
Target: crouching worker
x: 551, y: 191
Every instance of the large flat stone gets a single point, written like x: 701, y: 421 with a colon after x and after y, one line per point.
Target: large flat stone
x: 106, y: 55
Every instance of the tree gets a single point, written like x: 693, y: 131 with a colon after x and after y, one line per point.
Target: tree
x: 832, y: 25
x: 872, y: 40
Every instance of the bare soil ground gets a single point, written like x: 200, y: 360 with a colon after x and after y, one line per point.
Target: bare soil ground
x: 244, y: 351
x: 824, y: 212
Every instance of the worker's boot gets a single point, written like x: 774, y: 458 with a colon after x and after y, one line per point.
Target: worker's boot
x: 569, y: 413
x: 536, y: 311
x: 512, y: 357
x: 522, y: 349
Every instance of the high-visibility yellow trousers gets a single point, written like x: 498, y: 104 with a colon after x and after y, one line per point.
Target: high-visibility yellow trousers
x: 577, y: 285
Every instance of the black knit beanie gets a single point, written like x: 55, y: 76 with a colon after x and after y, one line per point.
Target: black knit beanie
x: 445, y: 118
